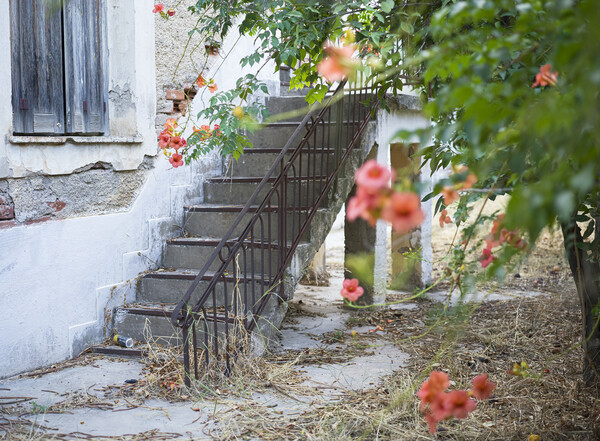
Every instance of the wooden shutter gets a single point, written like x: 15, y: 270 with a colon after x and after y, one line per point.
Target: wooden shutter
x: 37, y: 72
x: 85, y: 91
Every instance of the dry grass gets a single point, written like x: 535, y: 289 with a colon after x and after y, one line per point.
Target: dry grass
x: 543, y: 269
x: 549, y: 401
x: 164, y: 372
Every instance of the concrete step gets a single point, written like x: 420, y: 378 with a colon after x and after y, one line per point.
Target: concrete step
x: 169, y: 286
x: 278, y: 134
x: 194, y: 252
x: 258, y: 163
x: 209, y: 220
x: 151, y: 323
x: 238, y: 190
x: 137, y: 351
x: 295, y: 107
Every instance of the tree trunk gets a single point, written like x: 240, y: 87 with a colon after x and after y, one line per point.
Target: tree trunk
x: 587, y: 280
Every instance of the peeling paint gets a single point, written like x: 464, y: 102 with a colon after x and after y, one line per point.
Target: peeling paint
x: 5, y: 170
x: 97, y: 190
x: 99, y: 165
x: 121, y: 97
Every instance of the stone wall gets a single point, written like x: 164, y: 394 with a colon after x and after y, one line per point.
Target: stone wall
x: 179, y: 60
x: 7, y: 206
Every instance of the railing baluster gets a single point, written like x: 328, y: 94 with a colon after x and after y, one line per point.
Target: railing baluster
x: 215, y: 324
x: 195, y: 348
x: 227, y: 341
x: 206, y: 343
x: 186, y: 355
x: 252, y: 272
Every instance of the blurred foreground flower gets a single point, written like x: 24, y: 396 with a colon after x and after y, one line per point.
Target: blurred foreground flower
x: 375, y: 199
x: 338, y: 63
x: 545, y: 77
x: 373, y: 176
x: 437, y: 404
x: 403, y: 211
x: 351, y: 290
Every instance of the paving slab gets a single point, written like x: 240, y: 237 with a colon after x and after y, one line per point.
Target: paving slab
x: 175, y: 418
x: 52, y: 388
x: 480, y: 296
x: 360, y: 372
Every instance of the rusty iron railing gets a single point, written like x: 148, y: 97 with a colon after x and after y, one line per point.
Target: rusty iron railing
x: 274, y: 221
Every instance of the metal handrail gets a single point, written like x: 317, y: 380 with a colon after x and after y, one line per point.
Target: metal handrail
x: 285, y: 187
x: 176, y: 316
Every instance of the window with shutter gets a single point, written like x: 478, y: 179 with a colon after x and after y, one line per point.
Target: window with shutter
x: 58, y: 74
x: 37, y: 68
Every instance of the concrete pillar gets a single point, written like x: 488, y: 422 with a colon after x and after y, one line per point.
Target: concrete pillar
x: 372, y: 242
x: 365, y: 250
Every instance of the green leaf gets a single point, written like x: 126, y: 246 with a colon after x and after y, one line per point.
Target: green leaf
x: 407, y: 27
x: 589, y: 230
x: 387, y: 5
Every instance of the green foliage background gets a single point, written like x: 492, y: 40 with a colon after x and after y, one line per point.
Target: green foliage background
x: 477, y: 59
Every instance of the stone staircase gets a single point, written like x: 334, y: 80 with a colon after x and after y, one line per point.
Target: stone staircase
x: 149, y: 318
